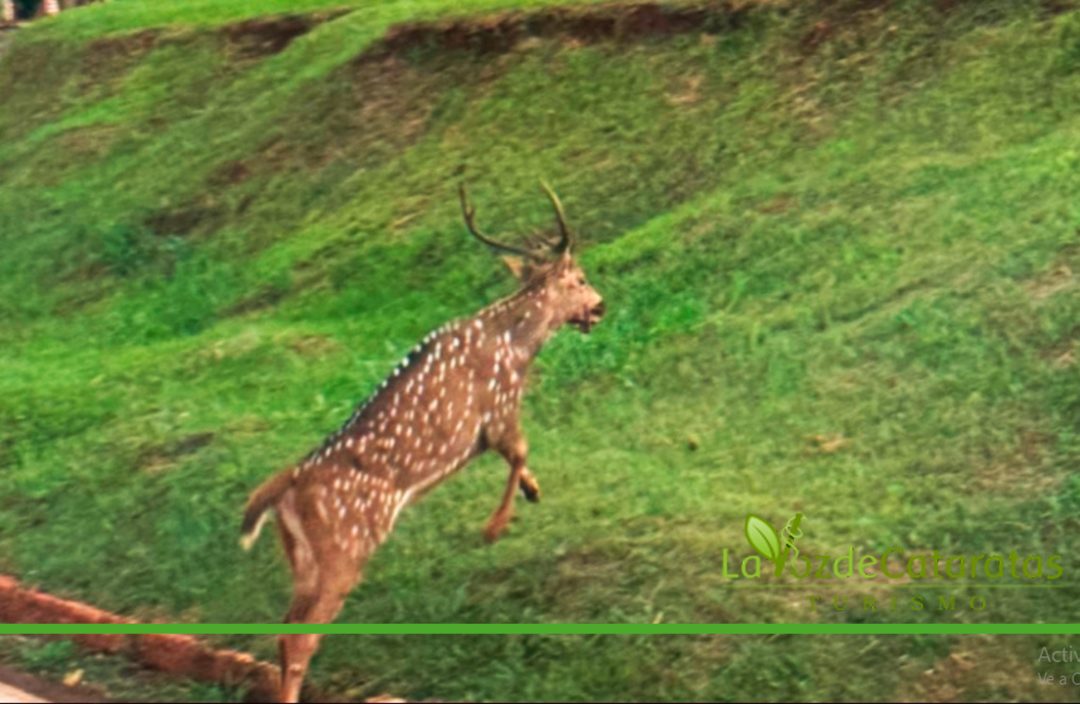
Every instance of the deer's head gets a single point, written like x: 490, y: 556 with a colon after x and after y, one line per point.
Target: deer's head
x: 548, y: 270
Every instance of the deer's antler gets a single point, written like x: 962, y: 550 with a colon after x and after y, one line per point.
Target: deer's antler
x: 469, y: 213
x: 567, y: 240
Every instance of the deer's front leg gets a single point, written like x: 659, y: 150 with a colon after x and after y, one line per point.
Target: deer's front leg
x: 513, y: 449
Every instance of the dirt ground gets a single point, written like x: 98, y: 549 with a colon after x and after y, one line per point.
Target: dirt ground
x: 21, y: 688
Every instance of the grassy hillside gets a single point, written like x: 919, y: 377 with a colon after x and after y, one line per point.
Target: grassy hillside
x: 838, y: 242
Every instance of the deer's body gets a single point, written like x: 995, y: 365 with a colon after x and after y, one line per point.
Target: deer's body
x: 454, y: 396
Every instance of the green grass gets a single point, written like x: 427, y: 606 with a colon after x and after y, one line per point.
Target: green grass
x: 138, y: 15
x: 210, y: 257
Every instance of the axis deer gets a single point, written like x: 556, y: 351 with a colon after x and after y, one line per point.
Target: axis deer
x: 456, y: 395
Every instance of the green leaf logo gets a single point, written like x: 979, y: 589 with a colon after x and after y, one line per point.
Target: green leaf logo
x: 762, y: 537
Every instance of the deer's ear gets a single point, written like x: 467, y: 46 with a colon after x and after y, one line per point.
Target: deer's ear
x: 516, y: 265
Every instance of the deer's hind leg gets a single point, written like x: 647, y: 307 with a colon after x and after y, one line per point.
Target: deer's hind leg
x: 324, y: 573
x: 296, y: 651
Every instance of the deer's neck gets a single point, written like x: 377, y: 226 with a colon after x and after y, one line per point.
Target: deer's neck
x: 525, y: 317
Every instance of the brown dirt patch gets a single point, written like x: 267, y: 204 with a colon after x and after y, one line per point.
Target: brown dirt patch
x: 780, y: 204
x: 266, y: 36
x: 839, y: 20
x: 504, y: 31
x: 49, y: 691
x: 161, y: 457
x: 123, y: 45
x: 981, y: 668
x: 394, y: 101
x: 253, y: 38
x: 1064, y: 354
x: 1022, y: 469
x: 88, y: 143
x: 1057, y: 279
x: 230, y: 174
x: 315, y: 345
x: 1057, y: 7
x: 822, y: 30
x: 110, y: 57
x: 260, y: 300
x: 201, y: 213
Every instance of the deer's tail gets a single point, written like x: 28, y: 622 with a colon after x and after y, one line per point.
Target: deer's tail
x: 262, y: 500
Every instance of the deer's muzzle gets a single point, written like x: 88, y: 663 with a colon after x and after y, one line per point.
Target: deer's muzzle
x: 590, y: 317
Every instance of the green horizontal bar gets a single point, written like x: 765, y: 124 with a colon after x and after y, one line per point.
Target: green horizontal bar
x: 430, y: 629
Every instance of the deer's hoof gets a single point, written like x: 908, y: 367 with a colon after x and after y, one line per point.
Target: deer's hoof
x: 494, y: 529
x: 531, y: 490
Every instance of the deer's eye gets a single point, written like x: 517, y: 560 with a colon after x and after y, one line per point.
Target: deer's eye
x: 581, y: 281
